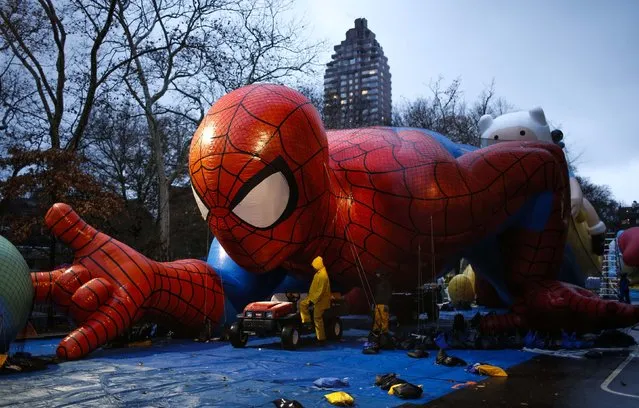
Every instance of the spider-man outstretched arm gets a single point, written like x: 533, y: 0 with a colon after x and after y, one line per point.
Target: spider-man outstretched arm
x: 533, y: 254
x: 110, y: 286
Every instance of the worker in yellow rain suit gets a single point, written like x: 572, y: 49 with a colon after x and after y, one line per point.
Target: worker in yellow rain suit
x: 319, y: 295
x: 383, y: 295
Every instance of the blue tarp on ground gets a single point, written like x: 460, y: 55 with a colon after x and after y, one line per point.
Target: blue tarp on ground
x: 188, y: 374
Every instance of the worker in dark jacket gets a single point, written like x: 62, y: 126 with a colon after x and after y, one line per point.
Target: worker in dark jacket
x: 383, y: 294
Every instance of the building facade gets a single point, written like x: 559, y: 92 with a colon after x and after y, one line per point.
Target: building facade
x: 357, y: 82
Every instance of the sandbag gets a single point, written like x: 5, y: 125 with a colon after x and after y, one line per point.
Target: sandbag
x: 490, y: 370
x: 386, y: 381
x: 406, y: 391
x: 340, y: 398
x: 382, y: 378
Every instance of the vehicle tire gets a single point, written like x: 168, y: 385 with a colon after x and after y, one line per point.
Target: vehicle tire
x: 237, y: 336
x: 290, y: 337
x: 333, y: 328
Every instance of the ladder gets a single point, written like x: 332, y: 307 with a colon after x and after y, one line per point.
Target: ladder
x: 610, y: 268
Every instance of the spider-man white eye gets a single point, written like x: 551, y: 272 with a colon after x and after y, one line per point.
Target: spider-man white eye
x: 268, y: 198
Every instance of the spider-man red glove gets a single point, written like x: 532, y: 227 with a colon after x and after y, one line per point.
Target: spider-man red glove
x: 110, y: 286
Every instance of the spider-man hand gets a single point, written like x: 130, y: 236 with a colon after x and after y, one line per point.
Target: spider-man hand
x: 110, y: 286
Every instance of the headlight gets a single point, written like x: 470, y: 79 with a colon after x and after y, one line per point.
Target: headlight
x: 249, y: 314
x: 269, y: 315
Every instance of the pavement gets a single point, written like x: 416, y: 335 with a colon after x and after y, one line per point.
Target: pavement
x: 550, y: 381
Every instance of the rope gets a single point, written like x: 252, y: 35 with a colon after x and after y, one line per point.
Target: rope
x: 432, y: 250
x: 358, y: 262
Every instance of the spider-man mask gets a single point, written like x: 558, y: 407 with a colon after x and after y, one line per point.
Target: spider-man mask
x: 258, y: 171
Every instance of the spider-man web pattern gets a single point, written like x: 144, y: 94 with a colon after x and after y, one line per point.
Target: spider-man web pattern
x: 365, y: 198
x: 110, y: 286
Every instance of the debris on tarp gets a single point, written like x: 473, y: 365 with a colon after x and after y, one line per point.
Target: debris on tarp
x: 406, y: 390
x: 284, y: 403
x: 331, y: 382
x: 24, y: 362
x: 463, y: 385
x: 340, y: 398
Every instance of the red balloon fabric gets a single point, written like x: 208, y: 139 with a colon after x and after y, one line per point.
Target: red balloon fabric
x: 110, y: 286
x: 629, y: 246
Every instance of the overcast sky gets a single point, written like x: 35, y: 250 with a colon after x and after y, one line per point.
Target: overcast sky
x: 577, y: 59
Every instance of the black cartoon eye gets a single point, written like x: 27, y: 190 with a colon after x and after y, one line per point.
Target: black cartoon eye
x: 522, y: 132
x: 268, y: 198
x: 496, y: 137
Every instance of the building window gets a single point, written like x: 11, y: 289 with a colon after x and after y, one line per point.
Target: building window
x: 364, y: 91
x: 343, y: 101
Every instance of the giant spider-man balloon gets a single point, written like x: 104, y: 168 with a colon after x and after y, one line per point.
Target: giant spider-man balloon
x: 277, y: 190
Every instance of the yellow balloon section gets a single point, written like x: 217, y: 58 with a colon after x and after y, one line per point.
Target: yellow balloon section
x: 460, y: 289
x: 470, y: 273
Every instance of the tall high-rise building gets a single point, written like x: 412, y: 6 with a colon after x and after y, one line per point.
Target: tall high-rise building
x: 357, y: 82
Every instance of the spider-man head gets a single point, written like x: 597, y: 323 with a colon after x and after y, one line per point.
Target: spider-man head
x: 257, y: 166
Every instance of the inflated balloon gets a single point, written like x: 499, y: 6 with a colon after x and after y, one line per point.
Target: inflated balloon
x: 470, y: 274
x: 460, y: 290
x: 278, y: 190
x: 110, y: 286
x: 586, y: 230
x: 16, y: 293
x: 628, y: 241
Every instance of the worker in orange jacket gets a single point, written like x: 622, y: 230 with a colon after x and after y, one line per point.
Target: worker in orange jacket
x: 319, y: 296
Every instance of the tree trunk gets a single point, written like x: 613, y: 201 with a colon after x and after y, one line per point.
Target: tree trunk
x: 164, y: 215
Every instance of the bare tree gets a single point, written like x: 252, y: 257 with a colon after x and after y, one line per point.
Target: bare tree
x: 117, y: 148
x: 200, y: 50
x: 446, y: 112
x: 488, y: 104
x: 315, y: 94
x: 65, y: 78
x: 177, y: 30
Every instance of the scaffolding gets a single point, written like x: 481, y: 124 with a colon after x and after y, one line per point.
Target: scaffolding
x: 610, y: 268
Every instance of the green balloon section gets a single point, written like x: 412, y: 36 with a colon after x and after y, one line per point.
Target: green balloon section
x: 16, y: 293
